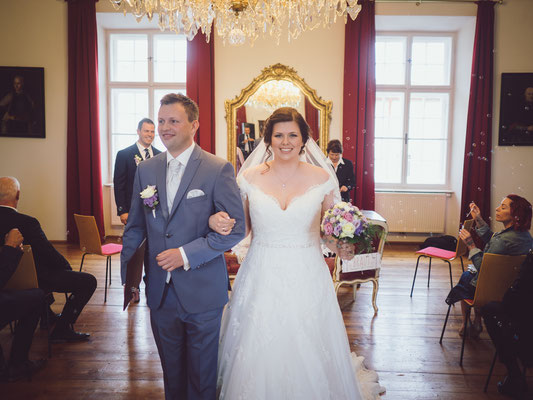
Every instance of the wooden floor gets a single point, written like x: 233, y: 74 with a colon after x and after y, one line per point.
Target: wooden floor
x: 401, y: 342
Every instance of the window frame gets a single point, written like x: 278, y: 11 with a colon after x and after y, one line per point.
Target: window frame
x: 407, y: 88
x: 151, y: 85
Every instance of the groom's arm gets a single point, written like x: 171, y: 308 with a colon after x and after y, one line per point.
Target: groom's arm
x: 226, y: 198
x: 135, y: 230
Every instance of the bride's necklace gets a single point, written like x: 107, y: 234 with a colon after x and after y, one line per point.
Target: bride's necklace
x: 284, y: 182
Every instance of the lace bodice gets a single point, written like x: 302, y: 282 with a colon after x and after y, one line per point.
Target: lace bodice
x: 296, y: 226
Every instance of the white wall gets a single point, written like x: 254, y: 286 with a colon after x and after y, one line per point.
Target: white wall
x: 512, y: 167
x: 35, y: 35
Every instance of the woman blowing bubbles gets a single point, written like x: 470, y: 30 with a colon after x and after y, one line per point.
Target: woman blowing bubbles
x: 514, y: 213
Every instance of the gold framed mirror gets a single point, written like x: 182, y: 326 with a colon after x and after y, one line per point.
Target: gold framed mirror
x: 277, y: 86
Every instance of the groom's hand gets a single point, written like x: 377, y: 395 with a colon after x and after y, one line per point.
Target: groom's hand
x: 170, y: 259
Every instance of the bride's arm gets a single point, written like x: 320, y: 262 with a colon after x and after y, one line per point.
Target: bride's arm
x: 329, y: 241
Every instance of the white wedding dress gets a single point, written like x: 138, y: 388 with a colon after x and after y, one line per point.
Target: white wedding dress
x: 283, y: 336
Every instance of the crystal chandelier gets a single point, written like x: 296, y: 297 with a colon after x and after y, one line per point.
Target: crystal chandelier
x: 275, y: 94
x: 238, y: 20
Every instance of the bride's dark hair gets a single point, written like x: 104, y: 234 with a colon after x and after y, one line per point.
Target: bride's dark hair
x: 285, y: 114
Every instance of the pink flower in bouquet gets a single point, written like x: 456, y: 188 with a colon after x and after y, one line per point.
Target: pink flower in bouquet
x: 328, y: 228
x: 348, y: 216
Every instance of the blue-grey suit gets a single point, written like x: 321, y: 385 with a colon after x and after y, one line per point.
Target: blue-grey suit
x: 186, y: 312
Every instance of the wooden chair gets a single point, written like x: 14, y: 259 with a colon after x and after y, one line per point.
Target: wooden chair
x: 497, y: 273
x: 232, y: 264
x: 370, y: 275
x: 24, y: 278
x: 444, y: 255
x: 90, y: 244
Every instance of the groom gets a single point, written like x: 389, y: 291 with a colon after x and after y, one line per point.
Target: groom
x: 186, y: 283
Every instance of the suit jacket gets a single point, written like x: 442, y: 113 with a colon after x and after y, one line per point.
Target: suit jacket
x: 251, y: 145
x: 204, y: 286
x: 125, y: 167
x: 346, y: 177
x: 47, y: 258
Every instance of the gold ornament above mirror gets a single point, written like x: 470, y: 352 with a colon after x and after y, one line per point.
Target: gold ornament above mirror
x: 277, y: 86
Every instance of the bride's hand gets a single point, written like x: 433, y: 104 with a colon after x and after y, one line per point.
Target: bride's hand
x: 221, y: 223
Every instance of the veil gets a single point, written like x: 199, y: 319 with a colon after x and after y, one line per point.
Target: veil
x: 311, y: 155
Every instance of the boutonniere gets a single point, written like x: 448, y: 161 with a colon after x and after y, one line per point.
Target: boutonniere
x: 150, y: 197
x: 137, y: 159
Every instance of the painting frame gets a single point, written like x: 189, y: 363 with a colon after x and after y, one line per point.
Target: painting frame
x: 22, y: 112
x: 516, y: 110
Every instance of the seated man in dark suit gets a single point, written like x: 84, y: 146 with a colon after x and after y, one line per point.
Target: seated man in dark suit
x: 18, y: 305
x: 126, y: 165
x: 53, y: 270
x: 343, y: 168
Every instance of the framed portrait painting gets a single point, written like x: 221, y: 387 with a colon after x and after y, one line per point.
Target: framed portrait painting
x: 22, y: 102
x: 516, y: 110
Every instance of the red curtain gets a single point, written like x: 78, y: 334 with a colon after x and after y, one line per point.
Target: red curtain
x: 240, y: 119
x: 477, y: 160
x: 200, y: 87
x: 84, y: 177
x: 359, y: 102
x: 311, y: 116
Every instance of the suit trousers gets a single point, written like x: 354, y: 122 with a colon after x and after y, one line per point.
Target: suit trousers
x: 81, y: 285
x: 24, y: 306
x: 188, y: 348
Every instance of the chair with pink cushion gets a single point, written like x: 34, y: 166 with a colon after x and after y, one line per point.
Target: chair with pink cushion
x: 90, y: 243
x: 445, y: 255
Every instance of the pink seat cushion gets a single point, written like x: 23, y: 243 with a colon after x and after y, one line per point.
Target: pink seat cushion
x: 436, y: 252
x: 111, y: 248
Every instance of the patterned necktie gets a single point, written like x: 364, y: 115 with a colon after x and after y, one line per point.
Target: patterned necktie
x: 146, y: 154
x: 173, y: 181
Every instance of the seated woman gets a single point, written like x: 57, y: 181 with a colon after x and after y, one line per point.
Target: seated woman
x: 514, y: 213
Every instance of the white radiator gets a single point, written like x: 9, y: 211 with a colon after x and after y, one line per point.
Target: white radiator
x: 413, y: 212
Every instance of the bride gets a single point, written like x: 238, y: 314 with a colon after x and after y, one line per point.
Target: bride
x: 282, y: 335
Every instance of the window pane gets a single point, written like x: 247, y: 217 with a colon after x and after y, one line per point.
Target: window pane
x: 389, y: 114
x: 428, y: 115
x: 431, y: 59
x: 170, y: 58
x: 128, y: 107
x: 388, y: 160
x: 426, y: 163
x: 158, y: 95
x: 128, y: 58
x: 390, y: 60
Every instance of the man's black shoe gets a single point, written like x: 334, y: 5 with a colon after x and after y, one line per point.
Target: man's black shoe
x: 25, y: 370
x: 68, y: 335
x: 513, y: 387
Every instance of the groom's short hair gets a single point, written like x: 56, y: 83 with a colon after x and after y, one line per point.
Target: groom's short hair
x: 191, y: 108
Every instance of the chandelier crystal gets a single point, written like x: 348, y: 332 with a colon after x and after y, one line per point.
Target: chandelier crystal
x: 275, y: 94
x: 237, y: 21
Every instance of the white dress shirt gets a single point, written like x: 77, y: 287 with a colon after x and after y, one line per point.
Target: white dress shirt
x: 142, y: 152
x: 183, y: 159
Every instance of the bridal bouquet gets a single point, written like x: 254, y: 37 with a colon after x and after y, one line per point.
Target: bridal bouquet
x: 351, y: 229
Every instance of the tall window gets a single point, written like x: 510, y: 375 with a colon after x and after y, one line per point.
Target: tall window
x: 143, y: 67
x: 413, y: 97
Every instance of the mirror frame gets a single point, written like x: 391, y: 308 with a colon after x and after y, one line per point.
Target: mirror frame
x: 276, y: 72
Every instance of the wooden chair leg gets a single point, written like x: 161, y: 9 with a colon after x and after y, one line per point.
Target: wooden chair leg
x: 465, y: 333
x: 462, y: 264
x: 490, y: 372
x: 445, y: 322
x: 375, y: 295
x: 414, y: 277
x: 354, y: 288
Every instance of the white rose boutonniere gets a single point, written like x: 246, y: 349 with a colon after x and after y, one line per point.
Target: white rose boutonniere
x: 137, y: 159
x: 150, y: 197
